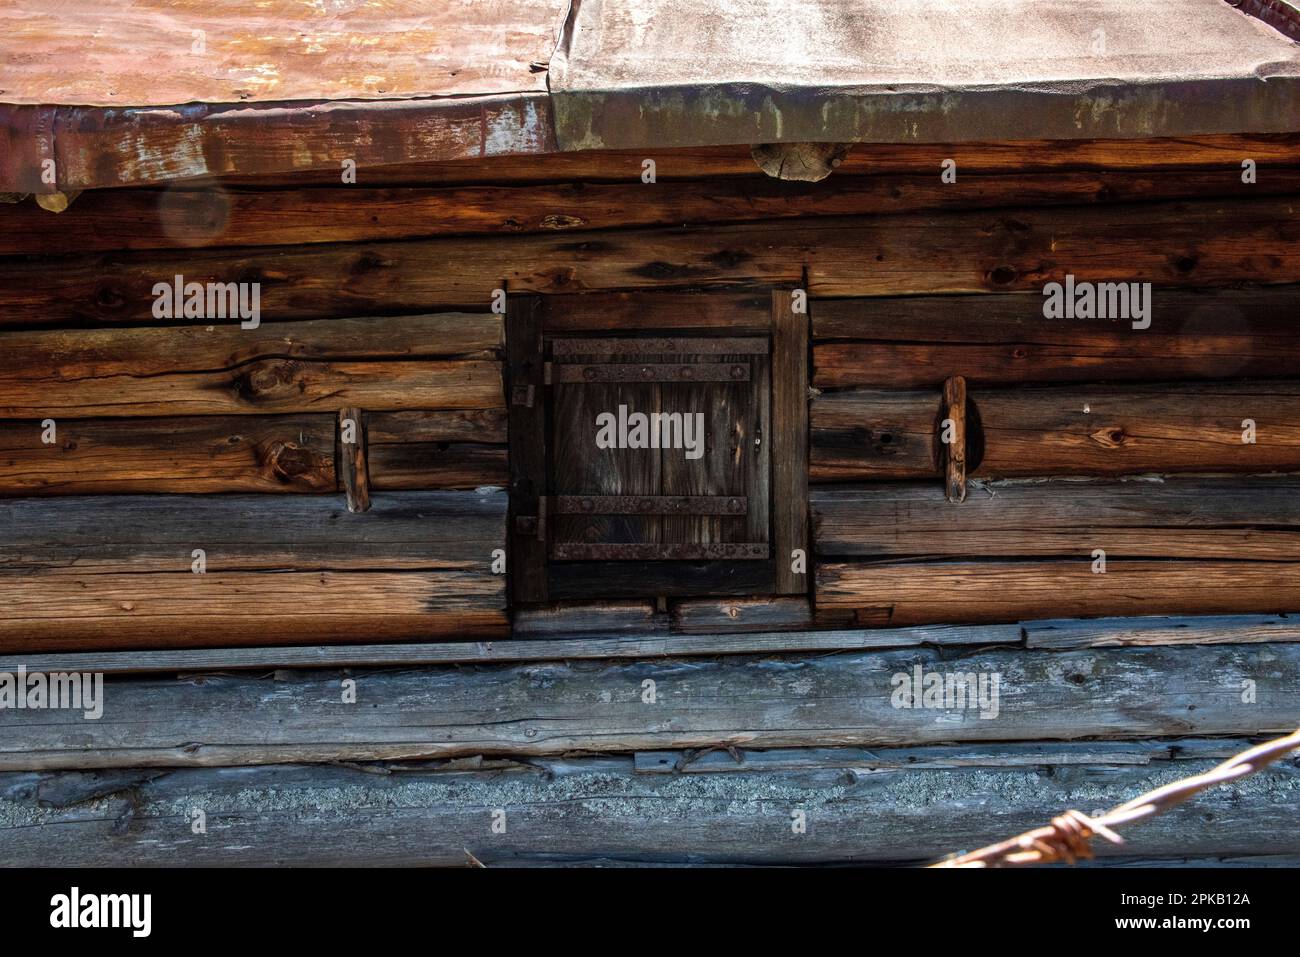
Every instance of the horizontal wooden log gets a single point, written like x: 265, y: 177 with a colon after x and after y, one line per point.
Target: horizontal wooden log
x: 1193, y: 243
x: 419, y: 449
x: 1006, y: 156
x: 602, y: 808
x: 108, y: 220
x: 1123, y: 632
x: 292, y: 453
x: 568, y: 619
x: 1114, y: 430
x: 874, y: 434
x: 389, y: 363
x: 737, y: 312
x: 917, y: 342
x: 113, y: 535
x: 712, y: 615
x: 870, y: 594
x: 1244, y: 518
x: 813, y: 700
x: 1095, y: 429
x: 559, y: 637
x: 66, y: 611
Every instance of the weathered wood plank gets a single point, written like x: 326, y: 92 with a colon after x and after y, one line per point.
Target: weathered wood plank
x: 971, y: 592
x: 1006, y: 156
x: 875, y: 434
x: 1252, y: 517
x: 789, y: 442
x: 354, y: 475
x: 569, y: 619
x: 108, y: 220
x: 291, y: 453
x: 1194, y: 243
x: 113, y: 534
x: 420, y: 449
x: 952, y: 434
x: 722, y: 615
x: 642, y: 310
x: 1123, y: 632
x: 917, y: 342
x: 63, y: 612
x: 552, y: 642
x: 126, y: 147
x: 526, y: 402
x: 555, y: 708
x: 375, y: 363
x: 1095, y: 429
x: 1113, y: 430
x: 559, y: 810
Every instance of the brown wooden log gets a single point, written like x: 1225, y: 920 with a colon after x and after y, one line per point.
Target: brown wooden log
x: 1195, y: 243
x: 1112, y: 430
x: 437, y: 449
x: 736, y: 312
x: 108, y: 220
x: 872, y: 434
x: 64, y: 612
x: 247, y: 453
x: 1255, y: 518
x: 156, y: 534
x: 1006, y: 156
x: 917, y: 342
x: 1065, y: 430
x: 389, y: 363
x: 973, y: 592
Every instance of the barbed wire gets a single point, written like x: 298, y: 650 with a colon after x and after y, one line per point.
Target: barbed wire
x: 1066, y: 838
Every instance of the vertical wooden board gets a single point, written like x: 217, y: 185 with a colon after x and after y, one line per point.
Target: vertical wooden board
x: 732, y: 414
x: 525, y: 394
x: 580, y: 467
x: 789, y: 441
x: 352, y: 459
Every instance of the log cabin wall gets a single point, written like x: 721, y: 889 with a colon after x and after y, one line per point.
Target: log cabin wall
x: 343, y: 467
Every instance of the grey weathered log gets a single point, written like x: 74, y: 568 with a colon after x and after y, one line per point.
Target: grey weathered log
x: 558, y: 708
x: 1255, y: 517
x: 578, y: 809
x: 548, y: 642
x: 156, y: 533
x: 1155, y: 630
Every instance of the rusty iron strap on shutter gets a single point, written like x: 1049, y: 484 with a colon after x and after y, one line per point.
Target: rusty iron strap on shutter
x: 648, y: 551
x: 675, y: 346
x: 650, y: 504
x: 649, y: 372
